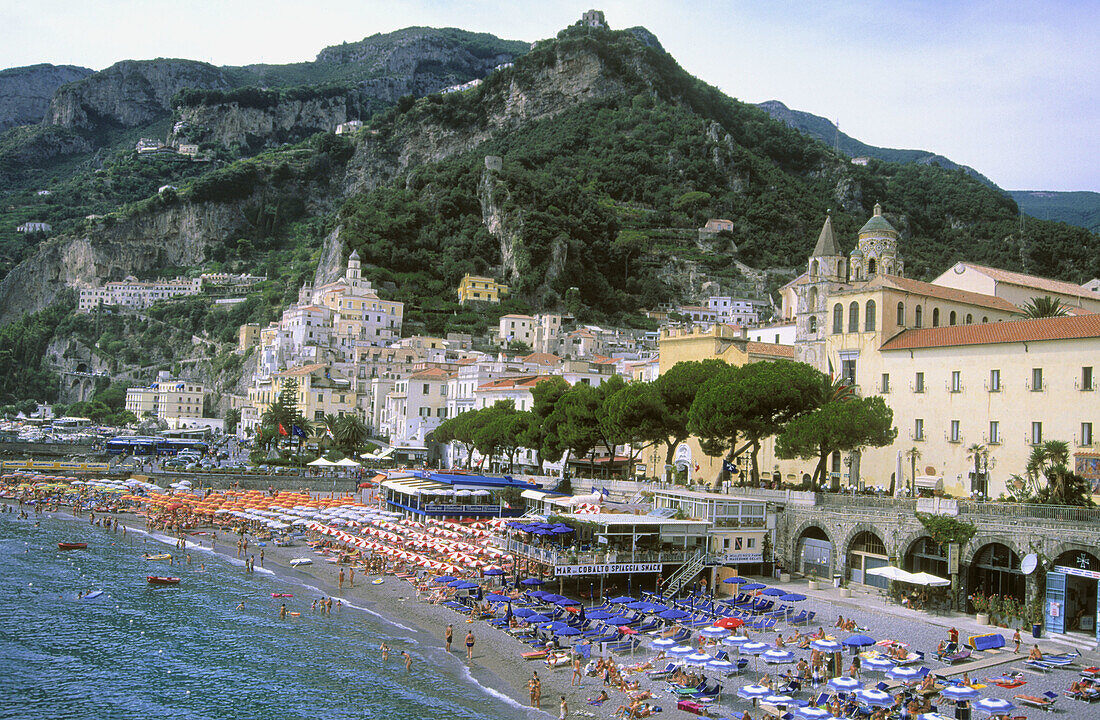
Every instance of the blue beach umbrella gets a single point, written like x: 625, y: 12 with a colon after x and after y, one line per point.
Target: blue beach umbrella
x: 640, y: 605
x: 538, y: 619
x: 878, y: 663
x: 493, y: 571
x: 994, y: 705
x: 906, y: 673
x: 555, y: 626
x: 600, y: 615
x: 959, y: 693
x: 530, y: 581
x: 735, y: 580
x: 777, y: 700
x: 874, y: 697
x: 735, y: 641
x: 827, y: 646
x: 564, y: 601
x: 540, y: 594
x: 753, y: 692
x: 561, y: 529
x: 777, y: 657
x: 524, y: 612
x: 698, y: 658
x: 856, y: 641
x: 567, y: 631
x: 493, y: 597
x: 773, y: 592
x: 845, y: 684
x: 753, y: 586
x: 622, y: 600
x: 673, y: 614
x: 465, y: 585
x: 444, y: 579
x: 719, y: 665
x: 792, y: 597
x: 812, y: 713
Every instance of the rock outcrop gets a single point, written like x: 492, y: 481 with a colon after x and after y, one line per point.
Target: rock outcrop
x: 25, y: 92
x: 232, y: 125
x: 129, y: 93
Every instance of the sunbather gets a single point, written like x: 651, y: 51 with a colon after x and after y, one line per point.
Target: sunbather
x: 1035, y: 654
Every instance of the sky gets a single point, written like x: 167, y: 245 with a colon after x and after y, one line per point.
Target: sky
x: 1010, y: 88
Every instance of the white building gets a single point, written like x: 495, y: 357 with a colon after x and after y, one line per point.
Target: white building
x: 134, y: 294
x: 778, y: 334
x: 415, y: 407
x: 735, y: 311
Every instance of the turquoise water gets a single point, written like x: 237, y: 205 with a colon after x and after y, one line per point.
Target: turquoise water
x: 186, y: 652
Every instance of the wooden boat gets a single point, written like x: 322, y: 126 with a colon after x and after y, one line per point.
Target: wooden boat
x: 156, y: 580
x: 92, y: 595
x: 162, y: 556
x: 71, y: 545
x: 300, y: 561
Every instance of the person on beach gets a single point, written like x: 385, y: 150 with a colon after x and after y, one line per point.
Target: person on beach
x: 408, y: 660
x: 576, y: 680
x: 563, y: 709
x: 261, y: 557
x: 282, y: 612
x: 351, y: 574
x: 328, y: 606
x: 241, y: 606
x: 448, y: 636
x: 314, y: 607
x: 470, y: 646
x: 1016, y: 639
x: 1035, y: 654
x: 385, y: 651
x: 341, y: 587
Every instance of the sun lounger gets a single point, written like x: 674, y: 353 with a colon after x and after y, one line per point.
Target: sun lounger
x: 989, y: 641
x: 1044, y: 701
x: 663, y: 672
x: 687, y: 691
x: 952, y: 654
x: 1040, y: 665
x: 708, y: 693
x: 1061, y: 659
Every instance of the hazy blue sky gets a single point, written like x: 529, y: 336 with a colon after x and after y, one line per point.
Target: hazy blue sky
x: 1011, y: 88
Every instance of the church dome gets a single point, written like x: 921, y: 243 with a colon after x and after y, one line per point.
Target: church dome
x: 878, y: 224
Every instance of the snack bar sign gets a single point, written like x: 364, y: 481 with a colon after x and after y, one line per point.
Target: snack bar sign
x: 606, y: 569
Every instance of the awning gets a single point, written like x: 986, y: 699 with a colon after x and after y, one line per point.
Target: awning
x: 321, y: 462
x: 929, y: 482
x: 923, y: 578
x: 892, y: 573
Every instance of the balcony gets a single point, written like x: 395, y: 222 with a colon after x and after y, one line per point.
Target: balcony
x: 559, y: 556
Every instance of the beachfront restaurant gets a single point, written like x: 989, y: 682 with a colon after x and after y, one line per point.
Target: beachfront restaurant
x: 445, y: 496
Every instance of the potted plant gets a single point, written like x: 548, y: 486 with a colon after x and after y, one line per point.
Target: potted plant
x: 1035, y: 615
x: 980, y: 603
x: 845, y: 591
x: 813, y: 584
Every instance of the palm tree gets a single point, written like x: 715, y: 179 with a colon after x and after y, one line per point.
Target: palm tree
x: 351, y: 433
x: 913, y: 454
x: 978, y: 452
x: 1043, y: 307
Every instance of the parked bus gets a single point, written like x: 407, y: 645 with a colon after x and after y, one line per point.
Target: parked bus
x: 148, y: 445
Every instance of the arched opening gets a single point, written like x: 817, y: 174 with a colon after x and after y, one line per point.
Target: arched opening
x: 814, y: 552
x: 926, y: 555
x: 812, y: 325
x: 935, y: 317
x: 840, y: 269
x: 985, y: 318
x: 812, y: 299
x: 951, y: 319
x: 82, y: 367
x: 1080, y: 593
x: 995, y: 570
x: 918, y: 319
x: 901, y: 314
x: 871, y: 267
x: 853, y: 317
x: 813, y: 268
x: 869, y: 316
x: 867, y: 552
x: 838, y: 319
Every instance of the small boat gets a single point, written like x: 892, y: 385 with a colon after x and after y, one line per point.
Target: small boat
x: 377, y: 581
x: 156, y: 580
x: 300, y: 561
x: 282, y: 594
x: 92, y: 595
x: 162, y: 556
x: 71, y: 546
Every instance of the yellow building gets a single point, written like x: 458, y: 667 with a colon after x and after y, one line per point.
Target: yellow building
x: 321, y: 391
x: 249, y: 337
x: 480, y: 289
x: 721, y: 342
x: 167, y: 399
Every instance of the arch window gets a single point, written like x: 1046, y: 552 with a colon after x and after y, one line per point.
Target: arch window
x: 813, y: 268
x: 871, y: 266
x: 815, y: 551
x: 812, y: 299
x: 926, y: 555
x: 901, y: 314
x: 813, y: 324
x: 838, y: 319
x: 869, y: 317
x: 853, y: 317
x: 918, y: 319
x: 985, y: 318
x: 952, y: 318
x: 867, y: 552
x: 935, y: 317
x: 969, y: 319
x: 995, y: 570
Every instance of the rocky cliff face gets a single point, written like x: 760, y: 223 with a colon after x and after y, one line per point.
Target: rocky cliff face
x: 129, y: 93
x: 414, y: 52
x: 25, y: 92
x: 231, y: 124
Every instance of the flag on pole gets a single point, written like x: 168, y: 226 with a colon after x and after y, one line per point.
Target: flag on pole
x: 729, y: 467
x: 297, y: 430
x: 282, y: 430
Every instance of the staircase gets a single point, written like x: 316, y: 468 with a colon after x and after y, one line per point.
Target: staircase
x: 685, y: 574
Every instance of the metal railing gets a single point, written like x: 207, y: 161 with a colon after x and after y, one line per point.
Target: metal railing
x: 1031, y: 511
x: 559, y: 556
x: 685, y: 574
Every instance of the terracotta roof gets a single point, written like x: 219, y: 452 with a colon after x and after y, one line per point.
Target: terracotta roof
x: 935, y: 291
x: 303, y: 370
x: 771, y: 349
x: 430, y: 374
x: 1009, y: 331
x: 527, y: 381
x: 518, y: 317
x: 1032, y: 281
x: 546, y: 359
x: 800, y: 280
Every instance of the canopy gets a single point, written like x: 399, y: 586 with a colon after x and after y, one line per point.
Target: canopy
x: 891, y: 573
x: 321, y: 462
x: 923, y: 578
x: 346, y: 462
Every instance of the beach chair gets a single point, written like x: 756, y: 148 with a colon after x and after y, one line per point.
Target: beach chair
x: 791, y: 687
x: 1061, y: 660
x: 1043, y: 702
x: 584, y: 650
x: 681, y: 691
x: 663, y: 672
x: 649, y: 626
x: 1039, y: 665
x: 798, y: 619
x: 709, y: 692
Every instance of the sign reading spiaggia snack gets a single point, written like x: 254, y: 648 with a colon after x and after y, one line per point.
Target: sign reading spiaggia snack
x: 606, y: 569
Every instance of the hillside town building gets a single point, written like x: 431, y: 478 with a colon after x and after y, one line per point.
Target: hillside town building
x: 167, y: 399
x: 475, y: 288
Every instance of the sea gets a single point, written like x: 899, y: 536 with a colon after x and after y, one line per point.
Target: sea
x: 186, y: 651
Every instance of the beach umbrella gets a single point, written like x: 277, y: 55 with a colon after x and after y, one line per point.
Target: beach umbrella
x: 530, y: 581
x: 719, y: 665
x: 561, y: 529
x: 567, y: 631
x: 735, y: 580
x: 622, y: 600
x: 552, y: 598
x: 455, y: 583
x: 777, y: 657
x: 792, y: 597
x: 538, y: 619
x: 673, y: 614
x: 735, y: 641
x: 812, y: 713
x: 714, y: 632
x: 994, y: 705
x: 698, y: 658
x: 494, y: 597
x: 663, y: 643
x: 617, y: 620
x: 464, y: 585
x: 730, y: 623
x: 773, y: 592
x: 906, y: 673
x: 600, y: 615
x: 538, y: 594
x: 844, y: 683
x: 555, y: 626
x: 755, y: 648
x: 856, y: 641
x: 523, y: 612
x: 681, y: 650
x: 777, y: 700
x: 959, y: 693
x: 829, y: 646
x: 878, y: 663
x: 444, y: 579
x: 643, y: 605
x: 874, y: 697
x: 753, y: 586
x: 753, y: 692
x: 564, y: 601
x: 492, y: 571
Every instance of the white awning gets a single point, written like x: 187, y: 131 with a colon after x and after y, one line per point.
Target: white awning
x: 929, y: 482
x: 923, y: 578
x: 891, y: 573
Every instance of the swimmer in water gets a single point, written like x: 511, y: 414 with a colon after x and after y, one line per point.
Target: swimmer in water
x: 282, y: 612
x: 241, y: 606
x: 385, y: 651
x: 408, y: 660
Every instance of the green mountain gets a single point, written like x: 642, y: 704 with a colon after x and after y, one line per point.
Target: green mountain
x: 611, y: 158
x: 1076, y: 208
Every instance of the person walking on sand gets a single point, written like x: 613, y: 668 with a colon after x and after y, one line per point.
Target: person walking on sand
x: 408, y: 660
x: 538, y: 690
x: 1016, y: 639
x: 341, y: 578
x: 576, y: 671
x: 448, y: 636
x: 470, y: 645
x: 261, y: 557
x: 531, y: 685
x: 563, y: 709
x: 351, y: 573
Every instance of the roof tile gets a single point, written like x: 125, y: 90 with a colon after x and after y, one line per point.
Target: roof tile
x: 1010, y: 331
